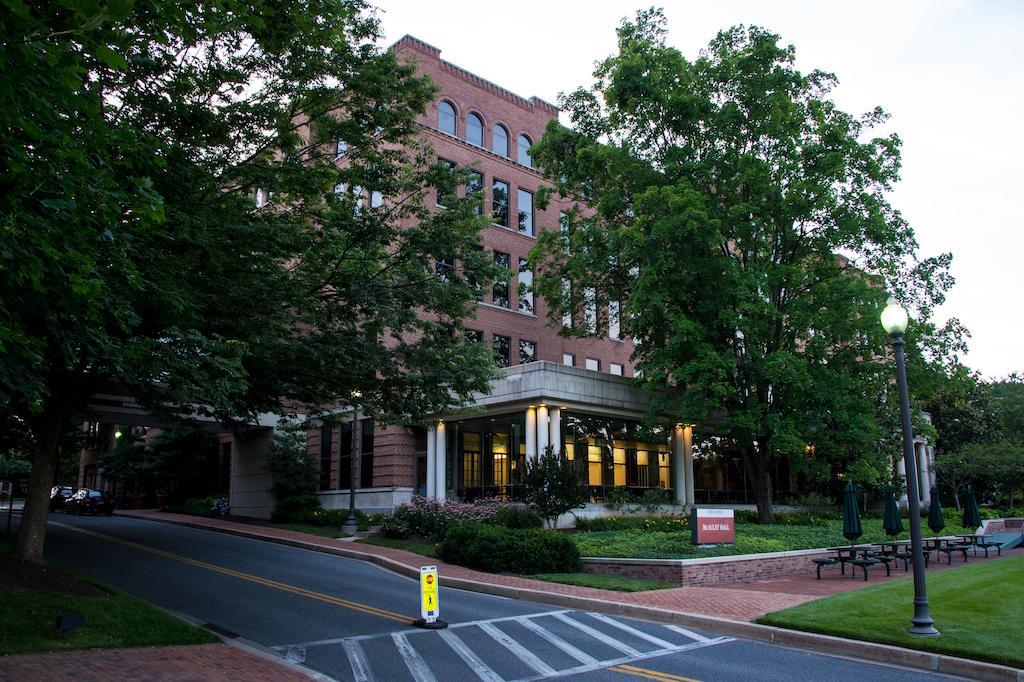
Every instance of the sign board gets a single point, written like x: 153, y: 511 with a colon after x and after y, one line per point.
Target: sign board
x: 429, y: 607
x: 712, y: 526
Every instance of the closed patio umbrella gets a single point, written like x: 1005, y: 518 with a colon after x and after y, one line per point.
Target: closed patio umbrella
x: 972, y: 515
x: 935, y: 520
x: 852, y: 528
x: 892, y: 523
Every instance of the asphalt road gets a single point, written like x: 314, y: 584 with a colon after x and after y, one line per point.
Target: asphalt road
x: 350, y: 620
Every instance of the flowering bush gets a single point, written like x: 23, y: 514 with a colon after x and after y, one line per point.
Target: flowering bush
x: 221, y: 506
x: 429, y: 518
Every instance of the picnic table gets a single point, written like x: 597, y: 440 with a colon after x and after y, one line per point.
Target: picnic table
x: 947, y: 544
x: 975, y: 541
x: 892, y: 548
x: 856, y: 555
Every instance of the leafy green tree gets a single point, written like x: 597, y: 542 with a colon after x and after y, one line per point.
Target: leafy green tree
x: 169, y: 220
x: 998, y: 466
x: 741, y: 220
x: 1008, y: 396
x: 553, y: 485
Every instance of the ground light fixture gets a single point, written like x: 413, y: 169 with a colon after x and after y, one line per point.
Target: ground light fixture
x: 894, y: 321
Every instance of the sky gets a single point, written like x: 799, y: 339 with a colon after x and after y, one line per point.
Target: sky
x: 949, y: 72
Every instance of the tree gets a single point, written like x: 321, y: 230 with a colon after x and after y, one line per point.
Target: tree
x: 136, y: 136
x: 552, y: 485
x: 740, y: 217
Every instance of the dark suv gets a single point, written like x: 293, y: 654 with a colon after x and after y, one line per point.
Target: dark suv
x: 87, y: 501
x: 59, y: 495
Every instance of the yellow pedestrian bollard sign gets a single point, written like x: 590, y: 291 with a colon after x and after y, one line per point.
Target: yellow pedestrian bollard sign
x: 430, y: 608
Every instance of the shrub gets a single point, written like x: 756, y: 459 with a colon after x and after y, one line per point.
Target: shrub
x: 819, y: 519
x: 654, y: 498
x: 617, y: 498
x: 553, y: 485
x: 429, y: 518
x: 647, y: 524
x: 204, y: 506
x: 497, y: 549
x: 295, y: 508
x: 512, y: 516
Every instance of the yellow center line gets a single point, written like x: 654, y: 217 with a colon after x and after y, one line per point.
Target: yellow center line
x: 336, y: 601
x: 649, y: 674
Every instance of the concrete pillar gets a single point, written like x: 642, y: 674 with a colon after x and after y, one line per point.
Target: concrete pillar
x: 543, y: 435
x: 688, y: 463
x: 555, y: 415
x: 531, y: 433
x: 251, y: 485
x: 923, y: 472
x: 678, y: 468
x: 931, y: 463
x: 901, y: 471
x: 431, y: 462
x: 441, y: 457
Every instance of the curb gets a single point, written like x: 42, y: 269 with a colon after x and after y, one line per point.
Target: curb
x: 769, y: 634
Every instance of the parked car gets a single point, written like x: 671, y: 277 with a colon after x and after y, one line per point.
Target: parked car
x: 87, y: 501
x: 59, y: 495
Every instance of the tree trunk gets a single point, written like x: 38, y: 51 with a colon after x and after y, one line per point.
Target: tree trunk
x: 32, y: 530
x: 757, y: 462
x: 956, y: 498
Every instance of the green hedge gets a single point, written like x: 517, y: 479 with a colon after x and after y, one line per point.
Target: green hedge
x: 497, y: 549
x: 516, y: 517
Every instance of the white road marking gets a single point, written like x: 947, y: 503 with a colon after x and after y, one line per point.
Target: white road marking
x: 688, y: 633
x: 658, y: 642
x: 357, y: 659
x: 557, y: 641
x: 482, y: 670
x: 598, y: 635
x: 413, y: 661
x: 517, y: 649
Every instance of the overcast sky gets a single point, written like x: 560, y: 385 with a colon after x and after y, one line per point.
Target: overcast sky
x: 950, y: 72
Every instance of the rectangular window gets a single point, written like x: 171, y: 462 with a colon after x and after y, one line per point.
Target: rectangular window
x: 569, y: 359
x: 445, y: 268
x: 590, y: 310
x: 475, y: 185
x: 499, y: 292
x: 619, y: 458
x: 446, y: 192
x: 525, y: 206
x: 615, y: 368
x: 499, y: 203
x: 501, y: 346
x: 471, y: 459
x: 614, y: 328
x: 567, y: 303
x: 594, y: 364
x: 594, y: 474
x: 499, y: 459
x: 525, y: 282
x: 564, y: 225
x: 345, y: 456
x: 527, y: 351
x: 376, y: 199
x: 474, y: 335
x: 366, y: 455
x: 326, y: 433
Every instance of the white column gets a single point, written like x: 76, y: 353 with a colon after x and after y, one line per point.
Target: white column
x: 441, y: 476
x: 688, y: 463
x: 555, y: 414
x: 531, y: 433
x: 543, y: 436
x: 930, y: 452
x: 923, y: 473
x: 678, y: 468
x: 901, y: 471
x: 431, y: 462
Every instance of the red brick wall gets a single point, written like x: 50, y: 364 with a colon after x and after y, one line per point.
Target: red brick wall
x: 709, y: 573
x: 394, y: 452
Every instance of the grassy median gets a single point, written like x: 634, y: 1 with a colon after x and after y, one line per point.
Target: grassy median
x: 978, y: 609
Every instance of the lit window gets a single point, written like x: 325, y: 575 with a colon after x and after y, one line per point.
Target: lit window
x: 594, y: 364
x: 475, y: 130
x: 527, y: 351
x: 499, y: 292
x: 569, y: 359
x: 499, y: 140
x: 525, y: 282
x: 524, y: 145
x: 525, y: 212
x: 475, y: 184
x: 502, y: 349
x: 499, y: 203
x: 446, y: 118
x: 615, y: 368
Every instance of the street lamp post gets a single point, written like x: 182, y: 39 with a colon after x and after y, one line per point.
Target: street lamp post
x: 894, y: 321
x: 350, y: 522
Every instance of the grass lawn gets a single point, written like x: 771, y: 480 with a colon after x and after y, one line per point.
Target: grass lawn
x: 978, y: 609
x: 751, y: 538
x: 324, y: 531
x: 423, y: 548
x: 603, y: 582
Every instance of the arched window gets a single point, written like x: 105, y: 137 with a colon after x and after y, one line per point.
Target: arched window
x: 524, y: 151
x: 446, y: 118
x: 499, y: 140
x: 474, y: 130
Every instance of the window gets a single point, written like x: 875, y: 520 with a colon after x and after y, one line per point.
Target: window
x: 499, y: 292
x: 446, y: 118
x: 524, y: 144
x: 366, y: 455
x: 615, y: 368
x: 501, y: 346
x: 525, y: 212
x: 475, y: 184
x: 472, y: 454
x: 445, y: 268
x: 499, y: 140
x: 326, y: 433
x: 376, y: 199
x: 446, y: 194
x: 619, y: 463
x: 564, y: 227
x: 527, y: 351
x: 594, y: 364
x: 499, y: 203
x: 614, y: 329
x: 262, y: 198
x: 590, y: 310
x: 474, y: 335
x: 340, y: 147
x: 567, y: 303
x: 474, y: 130
x: 345, y: 456
x: 568, y: 359
x: 525, y: 282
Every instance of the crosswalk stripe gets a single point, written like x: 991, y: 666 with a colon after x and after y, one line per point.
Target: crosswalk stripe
x: 413, y: 661
x: 598, y: 635
x: 518, y: 650
x: 687, y: 633
x: 357, y: 660
x: 558, y: 642
x: 657, y: 641
x: 482, y: 670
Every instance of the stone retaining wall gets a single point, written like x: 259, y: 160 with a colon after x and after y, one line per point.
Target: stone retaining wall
x: 710, y: 571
